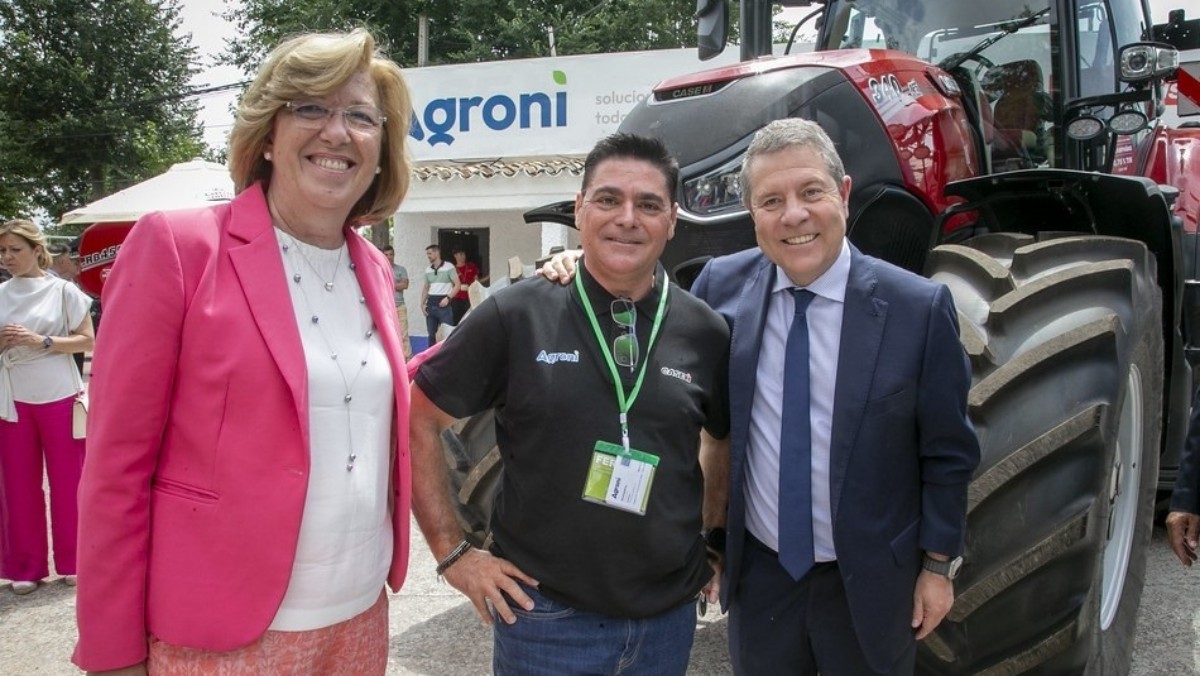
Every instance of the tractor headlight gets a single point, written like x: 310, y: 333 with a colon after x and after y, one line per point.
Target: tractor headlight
x: 1127, y: 122
x: 1085, y: 128
x: 716, y: 192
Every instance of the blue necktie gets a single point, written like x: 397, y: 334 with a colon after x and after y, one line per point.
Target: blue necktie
x: 795, y: 449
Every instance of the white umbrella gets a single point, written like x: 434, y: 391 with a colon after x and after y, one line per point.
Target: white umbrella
x: 187, y: 184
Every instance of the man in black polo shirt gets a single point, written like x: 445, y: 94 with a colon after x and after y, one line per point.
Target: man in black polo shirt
x: 597, y: 555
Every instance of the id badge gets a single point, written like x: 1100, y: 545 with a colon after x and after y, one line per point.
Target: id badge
x: 619, y: 480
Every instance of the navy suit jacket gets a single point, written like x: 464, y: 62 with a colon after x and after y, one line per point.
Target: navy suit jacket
x: 1186, y: 497
x: 903, y: 449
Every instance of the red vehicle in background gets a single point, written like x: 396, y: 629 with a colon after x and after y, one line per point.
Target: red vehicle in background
x: 1011, y: 149
x: 185, y: 185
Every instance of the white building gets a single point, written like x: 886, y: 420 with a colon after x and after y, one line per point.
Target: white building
x: 492, y: 140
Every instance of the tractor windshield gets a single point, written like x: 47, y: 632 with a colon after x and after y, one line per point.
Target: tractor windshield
x: 1000, y: 47
x: 975, y: 34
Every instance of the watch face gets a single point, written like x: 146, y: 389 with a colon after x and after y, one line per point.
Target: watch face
x: 955, y: 565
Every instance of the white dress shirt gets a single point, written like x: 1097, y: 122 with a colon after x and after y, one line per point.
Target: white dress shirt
x: 766, y: 413
x: 345, y: 544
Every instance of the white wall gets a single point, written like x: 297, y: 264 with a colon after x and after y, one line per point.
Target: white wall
x: 465, y: 112
x: 495, y: 203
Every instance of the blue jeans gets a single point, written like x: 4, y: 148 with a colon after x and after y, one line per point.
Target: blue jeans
x: 436, y: 315
x: 554, y: 639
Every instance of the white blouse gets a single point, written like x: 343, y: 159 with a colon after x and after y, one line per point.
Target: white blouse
x: 345, y: 546
x: 48, y: 306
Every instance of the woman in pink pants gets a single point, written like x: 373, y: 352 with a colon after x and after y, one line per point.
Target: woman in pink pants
x: 43, y: 321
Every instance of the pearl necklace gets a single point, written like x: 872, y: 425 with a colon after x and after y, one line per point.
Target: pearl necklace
x: 292, y: 247
x: 328, y: 284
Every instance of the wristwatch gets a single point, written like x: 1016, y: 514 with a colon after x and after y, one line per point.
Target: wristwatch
x: 47, y: 342
x: 947, y: 569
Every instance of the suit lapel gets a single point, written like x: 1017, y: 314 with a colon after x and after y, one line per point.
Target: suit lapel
x: 259, y: 267
x: 750, y: 318
x: 863, y: 320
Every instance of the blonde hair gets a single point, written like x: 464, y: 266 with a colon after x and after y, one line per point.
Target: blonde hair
x: 29, y: 232
x: 316, y: 65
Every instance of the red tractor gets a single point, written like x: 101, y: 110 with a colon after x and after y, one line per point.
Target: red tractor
x: 1010, y: 150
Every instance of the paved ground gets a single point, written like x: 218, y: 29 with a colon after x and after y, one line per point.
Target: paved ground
x: 435, y: 632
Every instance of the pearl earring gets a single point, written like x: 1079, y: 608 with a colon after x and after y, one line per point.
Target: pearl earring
x: 378, y: 169
x: 267, y: 156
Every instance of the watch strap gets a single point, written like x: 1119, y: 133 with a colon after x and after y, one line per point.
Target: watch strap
x: 948, y: 568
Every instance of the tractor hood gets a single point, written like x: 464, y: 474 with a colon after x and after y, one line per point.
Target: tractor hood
x: 738, y: 100
x: 895, y: 120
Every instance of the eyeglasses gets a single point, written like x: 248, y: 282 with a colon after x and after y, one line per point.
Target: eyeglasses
x: 625, y: 346
x: 361, y: 119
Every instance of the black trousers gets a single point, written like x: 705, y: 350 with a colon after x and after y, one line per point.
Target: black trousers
x: 781, y: 626
x: 459, y: 307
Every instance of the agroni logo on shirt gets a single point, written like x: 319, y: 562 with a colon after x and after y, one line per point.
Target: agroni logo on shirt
x: 555, y: 357
x: 497, y: 112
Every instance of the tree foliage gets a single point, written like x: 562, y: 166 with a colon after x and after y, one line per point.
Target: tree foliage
x: 262, y: 24
x: 91, y: 99
x: 489, y: 30
x: 470, y: 30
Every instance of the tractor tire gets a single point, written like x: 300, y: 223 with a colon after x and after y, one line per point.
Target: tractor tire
x: 1064, y: 334
x: 473, y: 468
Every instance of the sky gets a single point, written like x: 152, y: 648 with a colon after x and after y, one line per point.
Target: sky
x: 209, y: 32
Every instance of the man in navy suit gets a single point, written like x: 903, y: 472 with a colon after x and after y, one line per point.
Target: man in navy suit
x: 1183, y: 522
x: 889, y: 447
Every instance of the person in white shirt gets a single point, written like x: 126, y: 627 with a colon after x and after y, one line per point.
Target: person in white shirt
x: 441, y: 285
x: 44, y: 321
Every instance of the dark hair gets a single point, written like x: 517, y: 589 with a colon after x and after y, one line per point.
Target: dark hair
x: 389, y: 248
x: 632, y: 146
x: 433, y: 247
x: 790, y: 132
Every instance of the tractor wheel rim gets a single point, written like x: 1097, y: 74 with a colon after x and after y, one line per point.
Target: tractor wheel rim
x: 1124, y: 504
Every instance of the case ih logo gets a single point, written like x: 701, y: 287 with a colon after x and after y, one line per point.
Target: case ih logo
x: 690, y: 91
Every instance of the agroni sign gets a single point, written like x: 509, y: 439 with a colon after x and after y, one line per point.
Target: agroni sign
x: 444, y: 119
x: 533, y: 107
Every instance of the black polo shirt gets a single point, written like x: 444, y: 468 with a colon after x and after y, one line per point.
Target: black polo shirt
x: 529, y: 351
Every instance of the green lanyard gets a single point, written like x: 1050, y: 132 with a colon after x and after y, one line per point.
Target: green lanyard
x: 624, y: 403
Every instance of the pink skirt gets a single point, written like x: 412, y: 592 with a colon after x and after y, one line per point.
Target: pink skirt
x: 358, y: 646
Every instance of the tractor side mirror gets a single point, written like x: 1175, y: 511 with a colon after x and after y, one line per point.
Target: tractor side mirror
x: 712, y: 27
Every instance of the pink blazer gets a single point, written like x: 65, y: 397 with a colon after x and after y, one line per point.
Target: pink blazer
x: 197, y: 460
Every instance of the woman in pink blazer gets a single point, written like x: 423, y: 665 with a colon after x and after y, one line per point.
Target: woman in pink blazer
x: 246, y: 491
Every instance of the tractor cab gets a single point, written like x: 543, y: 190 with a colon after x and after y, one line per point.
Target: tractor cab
x: 1042, y: 81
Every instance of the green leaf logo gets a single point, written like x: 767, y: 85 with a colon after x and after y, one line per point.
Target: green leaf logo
x: 560, y: 77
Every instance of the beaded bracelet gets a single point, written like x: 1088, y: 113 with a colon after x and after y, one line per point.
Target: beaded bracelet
x: 452, y: 557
